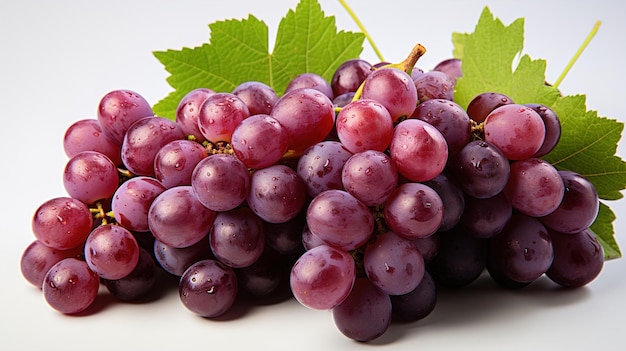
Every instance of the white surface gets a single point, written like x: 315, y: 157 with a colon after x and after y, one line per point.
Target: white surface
x: 58, y: 58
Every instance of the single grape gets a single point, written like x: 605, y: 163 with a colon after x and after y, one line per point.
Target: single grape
x: 392, y: 88
x: 220, y: 182
x: 363, y: 125
x: 38, y: 258
x: 276, y: 193
x: 259, y: 141
x: 175, y: 161
x: 322, y: 277
x: 90, y: 177
x: 208, y: 288
x: 309, y: 239
x: 187, y: 112
x: 285, y: 238
x: 578, y: 258
x: 339, y: 219
x: 219, y: 115
x: 143, y: 141
x: 111, y: 251
x: 237, y: 238
x: 62, y: 223
x: 307, y: 115
x: 460, y: 260
x: 434, y: 85
x: 393, y: 264
x: 87, y: 135
x: 414, y: 210
x: 343, y: 100
x: 482, y: 105
x: 518, y: 131
x: 259, y: 97
x: 417, y: 304
x: 523, y: 250
x: 176, y: 260
x: 481, y: 169
x: 451, y: 67
x: 535, y: 187
x: 312, y: 81
x: 70, y: 287
x: 138, y: 283
x: 419, y: 150
x: 118, y: 110
x: 370, y: 176
x: 452, y: 197
x: 365, y: 314
x: 321, y: 165
x: 349, y: 76
x: 485, y: 218
x: 132, y: 200
x: 449, y: 118
x: 264, y: 277
x: 553, y: 128
x: 178, y: 219
x: 579, y: 207
x: 428, y: 246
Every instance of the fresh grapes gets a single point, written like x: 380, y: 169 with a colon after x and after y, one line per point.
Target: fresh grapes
x: 362, y: 195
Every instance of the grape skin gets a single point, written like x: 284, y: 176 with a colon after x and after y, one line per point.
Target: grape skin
x: 62, y: 223
x: 111, y: 251
x: 517, y: 130
x: 208, y: 288
x: 414, y: 211
x: 370, y: 176
x: 392, y: 88
x: 364, y: 125
x: 70, y: 287
x: 220, y: 182
x: 90, y: 176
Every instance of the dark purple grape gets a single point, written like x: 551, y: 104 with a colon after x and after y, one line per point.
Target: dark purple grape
x: 452, y: 197
x: 118, y: 110
x: 349, y: 76
x: 482, y: 105
x: 553, y: 128
x: 578, y: 258
x: 481, y: 169
x: 449, y: 118
x: 485, y: 218
x: 312, y: 81
x: 434, y: 85
x: 417, y: 304
x: 259, y: 97
x: 208, y: 288
x: 451, y: 67
x: 70, y: 286
x: 138, y: 283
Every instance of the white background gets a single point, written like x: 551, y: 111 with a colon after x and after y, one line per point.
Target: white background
x: 58, y: 58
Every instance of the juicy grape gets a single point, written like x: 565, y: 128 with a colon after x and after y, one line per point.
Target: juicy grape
x: 362, y: 195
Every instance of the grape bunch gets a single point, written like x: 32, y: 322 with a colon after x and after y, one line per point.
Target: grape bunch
x: 362, y: 195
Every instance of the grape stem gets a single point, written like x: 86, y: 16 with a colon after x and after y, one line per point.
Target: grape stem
x: 582, y: 48
x: 362, y: 28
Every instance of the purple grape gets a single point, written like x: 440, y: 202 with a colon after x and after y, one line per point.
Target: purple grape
x: 111, y: 251
x: 481, y: 169
x: 175, y: 161
x: 553, y: 128
x: 143, y: 141
x: 482, y: 105
x: 90, y: 177
x: 322, y: 277
x: 370, y: 176
x: 451, y: 67
x: 38, y: 258
x: 523, y: 251
x: 285, y: 238
x: 310, y: 240
x: 349, y: 76
x: 70, y: 287
x: 393, y: 264
x: 452, y: 197
x: 132, y: 200
x: 339, y: 219
x: 578, y: 258
x: 137, y: 283
x: 312, y: 81
x: 364, y: 125
x: 259, y: 97
x: 417, y: 304
x: 118, y: 110
x: 276, y: 194
x: 392, y: 88
x: 62, y: 223
x: 449, y: 118
x: 485, y: 218
x: 178, y: 219
x: 237, y: 238
x: 535, y: 187
x: 579, y: 207
x: 221, y: 182
x: 87, y: 135
x: 428, y: 246
x: 188, y: 109
x: 434, y: 85
x: 518, y: 131
x: 259, y: 141
x: 176, y: 260
x: 264, y: 277
x: 365, y: 314
x: 208, y: 288
x: 320, y: 166
x: 414, y: 210
x: 219, y: 115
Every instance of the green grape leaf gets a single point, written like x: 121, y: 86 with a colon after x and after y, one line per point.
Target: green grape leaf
x: 492, y: 60
x: 238, y: 51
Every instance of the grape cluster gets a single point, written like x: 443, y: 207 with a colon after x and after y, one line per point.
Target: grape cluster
x: 362, y: 195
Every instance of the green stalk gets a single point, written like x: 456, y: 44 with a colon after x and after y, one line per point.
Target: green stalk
x: 362, y: 28
x: 582, y: 48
